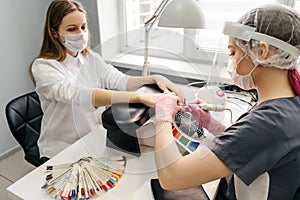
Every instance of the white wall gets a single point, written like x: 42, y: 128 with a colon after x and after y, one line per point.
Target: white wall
x: 22, y: 24
x: 110, y: 26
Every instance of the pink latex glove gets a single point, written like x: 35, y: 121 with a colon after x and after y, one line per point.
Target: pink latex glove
x: 166, y: 107
x: 204, y: 117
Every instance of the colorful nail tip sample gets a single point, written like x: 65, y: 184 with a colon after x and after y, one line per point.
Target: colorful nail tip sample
x: 84, y: 179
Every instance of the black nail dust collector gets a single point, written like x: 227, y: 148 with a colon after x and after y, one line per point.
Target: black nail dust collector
x: 122, y: 120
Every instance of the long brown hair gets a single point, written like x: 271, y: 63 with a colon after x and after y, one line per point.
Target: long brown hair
x: 51, y: 47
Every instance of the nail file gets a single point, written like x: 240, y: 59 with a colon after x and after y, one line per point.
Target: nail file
x: 211, y: 107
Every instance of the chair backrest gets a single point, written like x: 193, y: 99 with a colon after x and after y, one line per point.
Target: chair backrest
x: 24, y: 116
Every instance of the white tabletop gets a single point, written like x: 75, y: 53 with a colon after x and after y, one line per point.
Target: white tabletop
x: 134, y: 184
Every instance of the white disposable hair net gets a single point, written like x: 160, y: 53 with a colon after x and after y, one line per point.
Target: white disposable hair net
x: 278, y: 26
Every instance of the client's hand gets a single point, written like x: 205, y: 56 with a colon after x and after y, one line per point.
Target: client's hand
x: 149, y: 99
x: 166, y: 107
x: 165, y: 84
x: 204, y: 117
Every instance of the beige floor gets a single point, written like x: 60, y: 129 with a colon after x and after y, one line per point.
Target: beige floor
x: 12, y: 168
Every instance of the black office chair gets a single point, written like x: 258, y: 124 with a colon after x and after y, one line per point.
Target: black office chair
x: 24, y: 116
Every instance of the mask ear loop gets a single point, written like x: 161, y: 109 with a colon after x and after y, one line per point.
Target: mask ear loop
x: 255, y: 65
x: 241, y: 59
x: 236, y: 63
x: 61, y: 34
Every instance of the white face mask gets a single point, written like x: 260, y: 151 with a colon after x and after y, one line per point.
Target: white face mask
x: 243, y: 81
x: 76, y: 42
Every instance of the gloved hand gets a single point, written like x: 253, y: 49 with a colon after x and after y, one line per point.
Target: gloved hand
x: 166, y: 107
x: 203, y: 117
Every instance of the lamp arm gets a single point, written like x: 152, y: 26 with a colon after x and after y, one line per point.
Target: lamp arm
x: 156, y: 14
x: 148, y: 25
x: 146, y: 70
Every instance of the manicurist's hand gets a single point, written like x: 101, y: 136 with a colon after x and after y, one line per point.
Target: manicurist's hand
x: 203, y: 117
x: 166, y: 107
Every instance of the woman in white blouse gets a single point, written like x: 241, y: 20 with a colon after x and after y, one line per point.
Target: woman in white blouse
x: 72, y: 81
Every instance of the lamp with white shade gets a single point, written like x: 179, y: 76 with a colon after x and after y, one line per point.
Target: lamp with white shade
x: 173, y: 14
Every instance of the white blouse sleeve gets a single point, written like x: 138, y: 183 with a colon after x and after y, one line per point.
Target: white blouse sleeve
x: 54, y: 84
x: 110, y: 77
